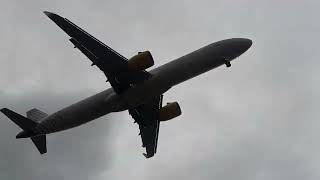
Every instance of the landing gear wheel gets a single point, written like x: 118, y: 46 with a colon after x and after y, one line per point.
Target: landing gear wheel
x: 228, y: 64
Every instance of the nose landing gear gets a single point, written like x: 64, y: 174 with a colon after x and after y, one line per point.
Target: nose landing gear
x: 226, y: 61
x: 228, y: 64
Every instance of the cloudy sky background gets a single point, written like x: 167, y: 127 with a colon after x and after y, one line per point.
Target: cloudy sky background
x: 256, y: 120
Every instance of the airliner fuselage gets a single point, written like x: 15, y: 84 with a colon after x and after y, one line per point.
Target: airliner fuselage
x: 163, y: 78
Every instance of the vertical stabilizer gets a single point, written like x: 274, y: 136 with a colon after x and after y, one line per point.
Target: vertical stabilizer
x: 36, y: 115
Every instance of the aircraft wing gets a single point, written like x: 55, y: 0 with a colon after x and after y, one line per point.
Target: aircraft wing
x: 114, y: 65
x: 147, y: 118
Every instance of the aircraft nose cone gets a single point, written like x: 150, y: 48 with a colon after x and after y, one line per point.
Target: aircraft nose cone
x: 243, y: 44
x: 238, y: 46
x: 232, y: 48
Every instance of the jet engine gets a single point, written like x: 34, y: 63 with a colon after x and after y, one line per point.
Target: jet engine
x: 170, y: 111
x: 140, y: 62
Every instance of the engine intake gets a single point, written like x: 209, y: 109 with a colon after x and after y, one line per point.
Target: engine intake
x: 140, y: 62
x: 170, y: 111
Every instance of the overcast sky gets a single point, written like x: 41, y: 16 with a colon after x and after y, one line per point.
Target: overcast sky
x: 258, y: 119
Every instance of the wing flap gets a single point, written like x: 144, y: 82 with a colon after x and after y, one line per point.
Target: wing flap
x: 84, y: 50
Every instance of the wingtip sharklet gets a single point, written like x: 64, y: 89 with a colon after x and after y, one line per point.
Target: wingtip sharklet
x: 52, y: 15
x: 3, y: 110
x: 47, y: 13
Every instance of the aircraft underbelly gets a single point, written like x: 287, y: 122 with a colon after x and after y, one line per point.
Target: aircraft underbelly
x: 168, y: 75
x: 76, y: 114
x: 188, y: 66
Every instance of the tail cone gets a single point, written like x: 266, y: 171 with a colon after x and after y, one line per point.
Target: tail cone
x: 25, y: 134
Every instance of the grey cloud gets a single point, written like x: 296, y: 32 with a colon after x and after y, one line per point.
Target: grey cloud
x: 256, y: 120
x: 83, y: 152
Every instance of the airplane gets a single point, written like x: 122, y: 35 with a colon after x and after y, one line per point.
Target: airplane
x: 133, y: 88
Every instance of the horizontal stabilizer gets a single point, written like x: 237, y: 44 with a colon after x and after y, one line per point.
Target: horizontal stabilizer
x: 23, y: 122
x: 41, y: 143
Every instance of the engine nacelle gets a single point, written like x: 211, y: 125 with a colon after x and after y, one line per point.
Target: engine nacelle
x: 140, y: 62
x: 170, y: 111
